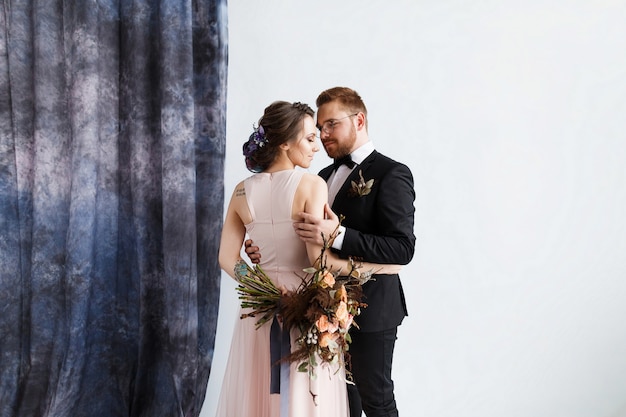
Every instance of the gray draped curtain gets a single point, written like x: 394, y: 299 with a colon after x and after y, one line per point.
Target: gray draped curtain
x: 112, y: 136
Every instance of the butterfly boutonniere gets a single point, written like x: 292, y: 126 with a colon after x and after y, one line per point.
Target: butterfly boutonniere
x: 362, y: 187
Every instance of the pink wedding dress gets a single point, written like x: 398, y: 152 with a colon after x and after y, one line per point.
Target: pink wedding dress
x: 246, y: 386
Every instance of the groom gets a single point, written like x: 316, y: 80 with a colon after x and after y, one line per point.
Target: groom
x: 376, y: 195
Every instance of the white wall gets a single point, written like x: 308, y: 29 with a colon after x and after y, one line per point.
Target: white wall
x: 512, y: 117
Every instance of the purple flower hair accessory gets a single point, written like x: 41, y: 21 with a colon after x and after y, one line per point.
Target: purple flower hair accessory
x: 256, y: 141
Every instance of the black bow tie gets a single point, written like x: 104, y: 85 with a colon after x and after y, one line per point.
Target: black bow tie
x: 347, y: 160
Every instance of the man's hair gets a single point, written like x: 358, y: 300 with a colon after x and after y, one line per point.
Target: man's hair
x: 348, y: 99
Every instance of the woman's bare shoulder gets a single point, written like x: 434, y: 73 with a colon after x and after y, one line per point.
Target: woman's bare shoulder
x: 238, y: 197
x: 240, y: 190
x: 239, y: 203
x: 312, y: 180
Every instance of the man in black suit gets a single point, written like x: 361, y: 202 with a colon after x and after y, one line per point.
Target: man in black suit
x: 375, y: 194
x: 378, y: 228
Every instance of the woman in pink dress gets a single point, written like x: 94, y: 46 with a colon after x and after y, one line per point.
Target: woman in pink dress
x: 264, y: 206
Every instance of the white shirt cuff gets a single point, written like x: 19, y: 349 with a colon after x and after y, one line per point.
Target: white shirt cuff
x: 338, y: 242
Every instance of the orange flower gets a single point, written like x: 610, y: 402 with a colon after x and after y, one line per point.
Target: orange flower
x: 322, y: 323
x: 325, y: 325
x: 329, y: 340
x: 342, y: 294
x: 328, y: 278
x: 342, y: 314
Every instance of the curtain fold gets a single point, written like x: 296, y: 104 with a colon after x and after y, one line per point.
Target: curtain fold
x: 112, y: 137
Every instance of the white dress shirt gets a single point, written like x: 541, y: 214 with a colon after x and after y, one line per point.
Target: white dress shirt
x: 337, y: 178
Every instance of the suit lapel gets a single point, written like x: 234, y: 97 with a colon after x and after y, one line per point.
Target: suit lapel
x: 325, y: 173
x: 343, y: 192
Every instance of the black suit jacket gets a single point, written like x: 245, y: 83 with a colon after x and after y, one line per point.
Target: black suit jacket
x: 379, y: 228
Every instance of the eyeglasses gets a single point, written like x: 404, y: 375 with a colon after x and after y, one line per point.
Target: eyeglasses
x: 329, y: 125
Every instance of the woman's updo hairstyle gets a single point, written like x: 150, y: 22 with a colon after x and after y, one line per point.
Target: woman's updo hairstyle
x: 281, y: 122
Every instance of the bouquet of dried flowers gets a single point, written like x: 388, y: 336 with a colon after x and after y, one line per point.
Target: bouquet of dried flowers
x: 322, y: 308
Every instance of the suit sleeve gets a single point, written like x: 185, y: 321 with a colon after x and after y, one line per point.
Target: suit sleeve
x: 389, y: 237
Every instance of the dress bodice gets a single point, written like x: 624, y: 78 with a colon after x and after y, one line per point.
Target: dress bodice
x: 270, y: 198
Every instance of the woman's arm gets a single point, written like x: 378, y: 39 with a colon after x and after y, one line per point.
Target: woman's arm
x: 233, y: 232
x: 315, y: 191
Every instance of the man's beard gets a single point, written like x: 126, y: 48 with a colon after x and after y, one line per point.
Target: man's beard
x: 344, y: 147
